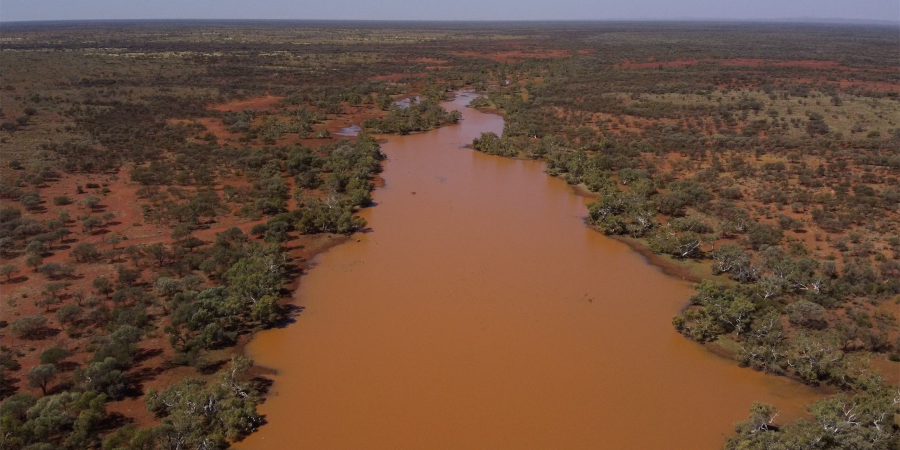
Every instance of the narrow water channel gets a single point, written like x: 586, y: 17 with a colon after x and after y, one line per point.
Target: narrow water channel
x: 481, y: 313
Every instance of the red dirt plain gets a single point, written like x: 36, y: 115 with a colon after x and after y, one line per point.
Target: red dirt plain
x: 516, y: 55
x: 748, y: 62
x: 154, y: 368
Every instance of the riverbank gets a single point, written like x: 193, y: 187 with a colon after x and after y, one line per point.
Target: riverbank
x: 685, y: 270
x: 480, y: 312
x: 694, y: 271
x: 689, y: 270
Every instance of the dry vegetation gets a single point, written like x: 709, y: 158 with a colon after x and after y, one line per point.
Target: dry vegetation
x: 163, y: 184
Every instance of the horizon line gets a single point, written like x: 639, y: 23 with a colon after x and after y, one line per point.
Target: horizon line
x: 824, y: 21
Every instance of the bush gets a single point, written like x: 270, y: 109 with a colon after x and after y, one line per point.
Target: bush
x: 54, y: 355
x: 259, y: 229
x: 29, y: 327
x: 103, y: 377
x: 86, y: 252
x: 807, y: 314
x: 56, y: 270
x: 7, y: 270
x: 62, y: 200
x: 41, y: 376
x: 760, y: 235
x: 69, y: 314
x: 679, y: 245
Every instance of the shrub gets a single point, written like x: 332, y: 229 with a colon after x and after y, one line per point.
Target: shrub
x: 807, y: 314
x: 62, y: 200
x: 29, y: 327
x: 54, y: 355
x: 86, y: 252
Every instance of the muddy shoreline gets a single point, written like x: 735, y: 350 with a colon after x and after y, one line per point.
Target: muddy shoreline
x: 668, y: 267
x: 465, y: 319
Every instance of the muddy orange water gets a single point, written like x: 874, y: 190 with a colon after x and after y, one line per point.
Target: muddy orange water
x: 481, y: 313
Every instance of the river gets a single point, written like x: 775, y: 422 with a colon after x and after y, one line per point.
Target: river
x: 481, y: 313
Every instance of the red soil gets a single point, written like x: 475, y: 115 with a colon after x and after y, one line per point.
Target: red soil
x: 354, y: 115
x: 653, y: 65
x: 154, y: 369
x: 845, y: 84
x: 267, y: 102
x: 516, y: 55
x: 746, y: 62
x: 872, y: 85
x: 216, y: 127
x: 394, y: 77
x: 434, y: 61
x: 18, y: 297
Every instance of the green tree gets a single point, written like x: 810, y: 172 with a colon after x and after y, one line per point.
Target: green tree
x: 47, y: 302
x: 85, y: 252
x: 840, y: 422
x: 718, y: 310
x: 29, y: 327
x: 8, y: 270
x: 34, y: 261
x: 760, y: 235
x: 41, y: 376
x: 807, y: 314
x: 55, y: 270
x: 103, y: 377
x: 200, y: 414
x: 616, y: 212
x: 62, y: 200
x: 256, y: 276
x: 54, y: 355
x: 56, y: 288
x: 680, y: 245
x: 202, y: 320
x: 89, y: 224
x: 65, y: 420
x: 91, y: 201
x: 69, y: 314
x: 120, y: 345
x: 732, y: 259
x: 158, y: 253
x: 113, y: 239
x: 36, y: 247
x: 103, y: 286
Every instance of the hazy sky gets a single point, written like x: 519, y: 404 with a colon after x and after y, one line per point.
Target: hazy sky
x: 14, y: 10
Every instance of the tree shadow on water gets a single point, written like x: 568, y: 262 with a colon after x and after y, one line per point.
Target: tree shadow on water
x: 290, y: 315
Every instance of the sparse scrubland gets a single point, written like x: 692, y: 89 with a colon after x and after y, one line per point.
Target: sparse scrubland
x: 163, y: 185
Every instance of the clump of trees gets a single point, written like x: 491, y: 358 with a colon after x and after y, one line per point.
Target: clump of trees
x: 616, y: 212
x: 863, y: 421
x: 491, y: 144
x: 200, y: 414
x: 700, y: 172
x: 202, y: 295
x: 711, y: 161
x: 425, y: 115
x: 65, y: 420
x: 213, y: 317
